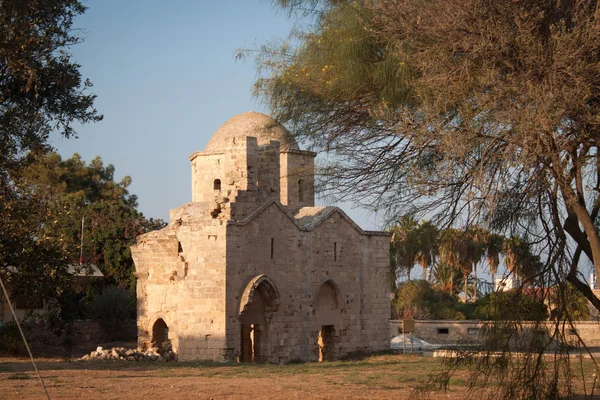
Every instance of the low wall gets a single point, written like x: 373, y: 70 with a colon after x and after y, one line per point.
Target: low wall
x: 84, y: 332
x: 452, y: 331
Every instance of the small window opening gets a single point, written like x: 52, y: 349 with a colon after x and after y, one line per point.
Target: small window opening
x: 443, y: 331
x: 334, y: 251
x: 217, y: 184
x: 300, y: 190
x: 272, y: 247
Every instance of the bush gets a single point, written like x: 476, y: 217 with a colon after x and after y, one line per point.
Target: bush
x: 10, y: 339
x: 113, y: 304
x: 512, y: 305
x: 111, y: 308
x: 419, y: 300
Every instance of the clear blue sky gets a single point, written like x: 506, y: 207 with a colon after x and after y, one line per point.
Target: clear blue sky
x: 166, y: 79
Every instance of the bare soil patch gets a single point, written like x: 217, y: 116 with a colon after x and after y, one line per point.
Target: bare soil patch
x: 378, y: 377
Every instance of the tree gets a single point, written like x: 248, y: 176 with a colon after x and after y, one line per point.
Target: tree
x: 404, y: 247
x: 476, y: 111
x: 419, y: 300
x: 493, y: 246
x: 428, y: 246
x: 41, y: 91
x: 456, y: 252
x: 41, y: 88
x: 71, y: 190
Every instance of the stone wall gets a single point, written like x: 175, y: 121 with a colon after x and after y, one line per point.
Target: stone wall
x: 450, y: 331
x: 85, y: 332
x: 301, y: 262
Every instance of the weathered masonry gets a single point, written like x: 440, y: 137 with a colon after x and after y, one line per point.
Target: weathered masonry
x: 251, y: 270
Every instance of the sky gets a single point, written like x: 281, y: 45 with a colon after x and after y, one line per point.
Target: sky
x: 166, y: 78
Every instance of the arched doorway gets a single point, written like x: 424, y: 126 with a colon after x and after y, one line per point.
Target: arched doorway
x: 259, y: 303
x: 327, y: 315
x: 160, y: 334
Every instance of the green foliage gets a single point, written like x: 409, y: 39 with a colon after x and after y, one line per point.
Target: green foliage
x: 112, y: 305
x: 10, y: 339
x: 41, y: 88
x: 513, y: 305
x: 473, y: 111
x: 420, y: 300
x: 41, y: 91
x: 568, y: 303
x: 71, y: 190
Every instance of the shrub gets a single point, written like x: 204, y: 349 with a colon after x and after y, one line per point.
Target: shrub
x: 10, y: 339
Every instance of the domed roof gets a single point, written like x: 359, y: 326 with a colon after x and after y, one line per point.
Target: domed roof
x: 253, y: 124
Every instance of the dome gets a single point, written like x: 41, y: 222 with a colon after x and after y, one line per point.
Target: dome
x: 253, y: 124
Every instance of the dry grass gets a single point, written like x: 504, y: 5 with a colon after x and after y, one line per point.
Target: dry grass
x: 376, y: 377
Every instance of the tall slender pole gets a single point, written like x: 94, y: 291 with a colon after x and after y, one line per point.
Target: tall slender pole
x: 81, y: 247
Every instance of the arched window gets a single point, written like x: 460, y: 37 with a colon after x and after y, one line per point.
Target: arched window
x: 217, y: 184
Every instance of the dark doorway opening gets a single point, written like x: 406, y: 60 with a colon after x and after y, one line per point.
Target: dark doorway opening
x: 259, y: 303
x: 326, y: 339
x: 251, y: 343
x: 160, y: 334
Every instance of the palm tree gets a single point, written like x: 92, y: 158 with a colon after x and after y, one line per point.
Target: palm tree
x: 476, y: 238
x: 494, y: 245
x: 447, y: 277
x: 452, y: 251
x: 519, y: 259
x: 405, y: 244
x: 428, y: 246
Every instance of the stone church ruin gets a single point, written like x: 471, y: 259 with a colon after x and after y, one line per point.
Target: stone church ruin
x: 251, y: 270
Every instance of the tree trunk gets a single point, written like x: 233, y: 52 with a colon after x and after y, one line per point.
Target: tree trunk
x: 475, y: 288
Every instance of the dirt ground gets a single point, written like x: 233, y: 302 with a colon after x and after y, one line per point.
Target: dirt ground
x: 376, y: 377
x: 380, y: 377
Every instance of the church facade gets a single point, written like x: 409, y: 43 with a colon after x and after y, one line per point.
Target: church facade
x: 251, y: 270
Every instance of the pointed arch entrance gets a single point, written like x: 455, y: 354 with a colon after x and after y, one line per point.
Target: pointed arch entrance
x: 327, y: 315
x: 259, y: 302
x: 160, y: 334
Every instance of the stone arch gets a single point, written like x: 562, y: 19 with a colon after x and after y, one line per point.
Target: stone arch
x: 171, y: 337
x: 325, y: 284
x: 259, y: 302
x: 160, y: 334
x: 327, y: 320
x: 268, y: 292
x: 217, y: 184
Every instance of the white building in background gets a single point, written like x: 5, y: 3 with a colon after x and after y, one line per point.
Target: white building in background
x: 505, y: 283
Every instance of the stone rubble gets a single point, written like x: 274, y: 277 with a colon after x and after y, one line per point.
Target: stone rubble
x: 121, y: 353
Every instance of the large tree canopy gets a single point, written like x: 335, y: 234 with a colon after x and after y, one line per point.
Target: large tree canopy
x: 41, y: 91
x: 41, y: 88
x: 71, y: 192
x: 475, y: 110
x: 39, y: 242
